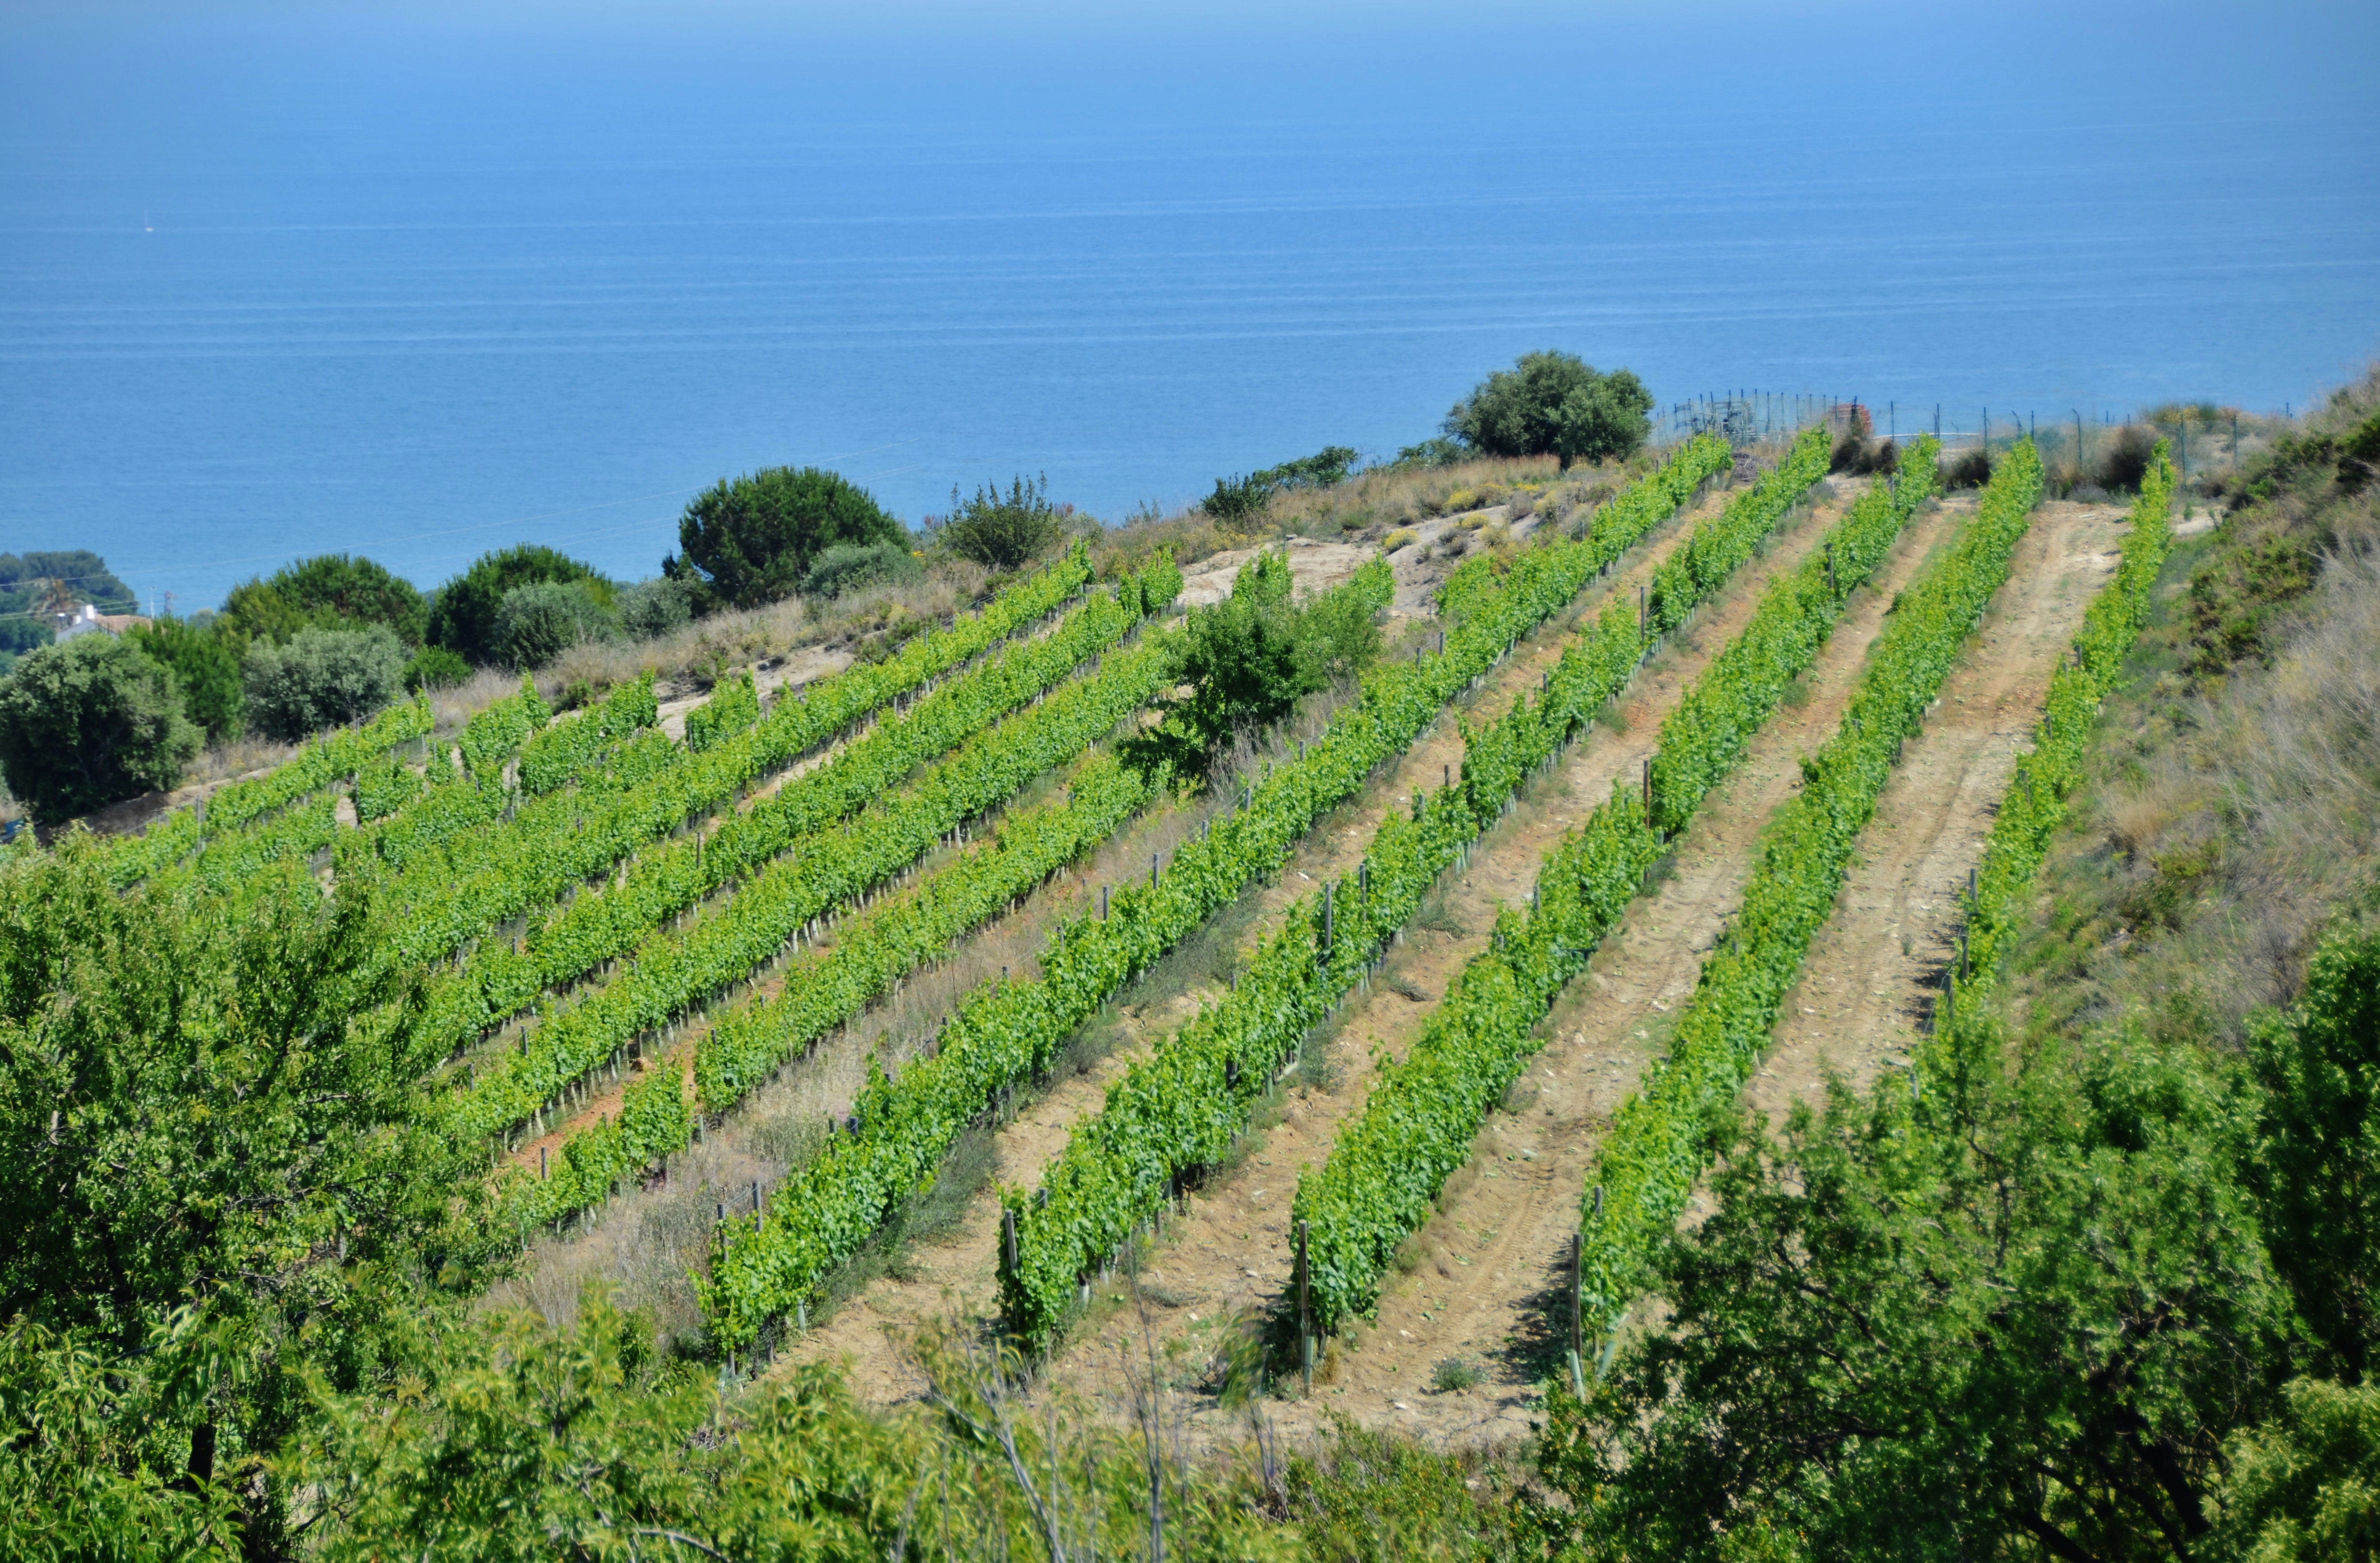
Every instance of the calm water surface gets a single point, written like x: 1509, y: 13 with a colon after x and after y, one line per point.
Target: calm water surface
x: 420, y: 297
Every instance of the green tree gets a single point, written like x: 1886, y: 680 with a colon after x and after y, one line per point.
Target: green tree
x: 539, y: 621
x: 463, y: 613
x: 1609, y: 420
x: 205, y: 669
x: 1246, y: 662
x: 2019, y: 1314
x: 2304, y: 1487
x: 655, y: 607
x: 327, y: 591
x: 434, y: 667
x: 218, y: 1169
x: 1553, y: 404
x: 2316, y: 1167
x: 750, y: 541
x: 1000, y: 531
x: 321, y: 678
x: 89, y: 722
x: 849, y: 566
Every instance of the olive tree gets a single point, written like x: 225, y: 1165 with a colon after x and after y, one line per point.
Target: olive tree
x: 88, y: 723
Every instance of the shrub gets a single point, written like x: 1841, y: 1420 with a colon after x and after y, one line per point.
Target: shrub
x: 652, y: 609
x: 1236, y: 499
x: 328, y: 592
x: 323, y: 678
x: 434, y: 667
x: 750, y: 541
x: 88, y: 721
x: 1003, y: 531
x: 2125, y: 460
x: 1402, y: 537
x: 539, y: 621
x: 848, y: 566
x: 1554, y: 404
x: 1971, y: 469
x: 206, y: 672
x: 1435, y: 451
x: 1457, y: 1374
x: 463, y: 616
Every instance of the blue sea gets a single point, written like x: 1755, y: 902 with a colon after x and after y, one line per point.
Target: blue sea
x: 421, y: 282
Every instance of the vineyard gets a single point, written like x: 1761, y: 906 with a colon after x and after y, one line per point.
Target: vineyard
x: 1382, y: 1073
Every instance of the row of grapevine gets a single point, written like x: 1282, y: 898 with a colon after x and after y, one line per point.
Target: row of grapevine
x: 675, y: 971
x: 494, y: 733
x: 566, y: 750
x: 232, y: 809
x: 1654, y: 1155
x: 735, y: 705
x: 823, y: 990
x: 497, y: 979
x: 513, y: 873
x: 2035, y: 803
x: 1417, y: 1127
x: 601, y: 830
x: 1181, y: 1110
x: 1005, y: 1031
x: 1704, y: 733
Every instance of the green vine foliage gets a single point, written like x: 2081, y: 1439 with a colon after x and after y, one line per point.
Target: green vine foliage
x: 565, y: 751
x: 478, y: 879
x: 491, y: 736
x: 129, y: 860
x: 734, y: 706
x: 1657, y: 1146
x: 520, y: 871
x: 1705, y: 734
x: 788, y: 878
x: 822, y: 990
x: 1006, y: 1030
x: 1180, y: 1111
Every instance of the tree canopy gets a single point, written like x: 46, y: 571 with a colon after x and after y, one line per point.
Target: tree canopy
x: 464, y: 616
x: 1554, y: 404
x: 206, y: 670
x: 89, y: 722
x: 752, y: 541
x: 327, y: 591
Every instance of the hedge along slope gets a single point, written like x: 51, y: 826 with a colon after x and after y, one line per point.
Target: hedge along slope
x: 822, y: 990
x: 231, y: 809
x: 675, y: 971
x: 1386, y: 1166
x: 498, y: 981
x: 1180, y: 1109
x: 1657, y: 1146
x: 448, y: 898
x: 1005, y: 1031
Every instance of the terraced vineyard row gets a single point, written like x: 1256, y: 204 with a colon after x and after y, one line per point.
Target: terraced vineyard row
x: 1650, y: 1161
x: 1005, y: 1031
x: 1182, y: 1109
x: 523, y: 869
x: 1417, y: 1126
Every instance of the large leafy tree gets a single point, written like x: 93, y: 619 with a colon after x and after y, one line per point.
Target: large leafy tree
x: 205, y: 669
x: 217, y: 1177
x: 2023, y: 1311
x: 1553, y: 404
x: 466, y: 616
x: 751, y: 540
x: 328, y: 592
x: 88, y: 721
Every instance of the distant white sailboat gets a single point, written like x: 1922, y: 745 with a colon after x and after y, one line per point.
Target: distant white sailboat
x: 144, y: 222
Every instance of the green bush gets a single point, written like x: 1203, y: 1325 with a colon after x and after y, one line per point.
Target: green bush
x: 434, y: 667
x: 466, y: 613
x: 652, y: 609
x: 752, y: 541
x: 321, y: 678
x: 1553, y: 404
x: 849, y: 566
x: 1236, y: 499
x: 328, y: 592
x: 206, y: 672
x: 1003, y: 531
x: 539, y: 621
x: 88, y: 721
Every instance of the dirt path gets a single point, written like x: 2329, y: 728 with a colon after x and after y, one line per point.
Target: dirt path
x: 1483, y: 1268
x: 1866, y: 982
x: 958, y: 1273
